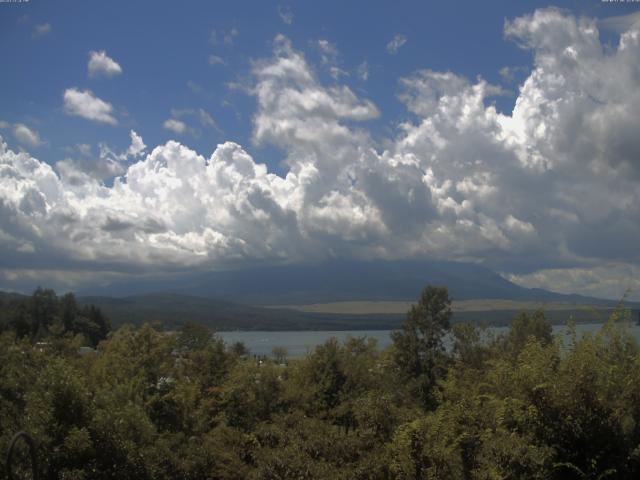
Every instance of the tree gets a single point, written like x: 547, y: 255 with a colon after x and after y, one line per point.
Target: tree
x: 280, y: 354
x: 43, y: 306
x: 68, y: 311
x: 469, y: 345
x: 418, y: 347
x: 194, y: 336
x: 239, y: 349
x: 92, y: 324
x: 526, y: 327
x: 20, y: 320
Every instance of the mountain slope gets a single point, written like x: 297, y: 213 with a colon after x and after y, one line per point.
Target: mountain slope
x: 341, y: 281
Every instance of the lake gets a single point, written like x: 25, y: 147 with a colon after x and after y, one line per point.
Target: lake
x: 298, y: 343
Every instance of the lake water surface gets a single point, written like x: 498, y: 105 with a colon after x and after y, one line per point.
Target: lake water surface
x: 298, y: 343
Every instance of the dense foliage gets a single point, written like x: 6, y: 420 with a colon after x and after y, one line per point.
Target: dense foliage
x: 44, y: 315
x: 153, y: 405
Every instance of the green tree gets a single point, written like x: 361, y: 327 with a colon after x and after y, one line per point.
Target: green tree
x: 239, y: 349
x: 524, y: 328
x: 469, y: 345
x: 68, y: 311
x: 43, y: 307
x: 194, y: 336
x: 20, y: 320
x: 97, y: 326
x: 418, y: 347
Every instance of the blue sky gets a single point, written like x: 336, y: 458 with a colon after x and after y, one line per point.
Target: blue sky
x: 201, y: 74
x: 164, y: 48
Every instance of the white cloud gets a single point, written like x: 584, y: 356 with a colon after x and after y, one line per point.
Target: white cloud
x: 4, y: 124
x: 102, y: 65
x: 41, y: 30
x: 611, y: 280
x: 81, y: 172
x: 552, y: 187
x: 620, y: 23
x: 83, y: 103
x: 27, y: 136
x: 396, y: 42
x: 285, y: 13
x: 329, y: 58
x: 87, y: 169
x: 174, y: 125
x: 137, y: 146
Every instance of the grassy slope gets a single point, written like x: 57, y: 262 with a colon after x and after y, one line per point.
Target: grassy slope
x: 400, y: 307
x: 172, y: 310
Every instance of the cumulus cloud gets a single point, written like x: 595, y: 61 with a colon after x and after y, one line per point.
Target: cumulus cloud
x: 137, y: 146
x: 88, y: 169
x: 78, y: 172
x: 396, y: 42
x: 551, y: 187
x: 176, y: 126
x: 100, y: 64
x: 27, y: 136
x: 620, y: 23
x: 610, y: 280
x: 83, y: 103
x: 41, y: 30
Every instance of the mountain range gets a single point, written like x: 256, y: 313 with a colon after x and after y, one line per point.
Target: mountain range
x: 338, y: 281
x: 269, y: 297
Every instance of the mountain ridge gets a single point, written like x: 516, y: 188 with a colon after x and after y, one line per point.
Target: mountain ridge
x: 259, y: 298
x: 340, y: 281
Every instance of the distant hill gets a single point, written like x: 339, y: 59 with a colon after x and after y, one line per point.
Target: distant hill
x: 173, y: 310
x: 341, y: 281
x: 6, y: 297
x: 237, y: 300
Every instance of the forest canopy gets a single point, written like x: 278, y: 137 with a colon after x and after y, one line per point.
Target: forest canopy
x: 146, y: 404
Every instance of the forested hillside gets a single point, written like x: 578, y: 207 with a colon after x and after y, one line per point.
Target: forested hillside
x: 151, y: 405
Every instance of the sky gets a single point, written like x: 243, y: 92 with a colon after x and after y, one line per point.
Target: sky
x: 148, y: 138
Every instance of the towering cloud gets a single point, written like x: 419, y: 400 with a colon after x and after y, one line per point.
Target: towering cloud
x: 553, y: 185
